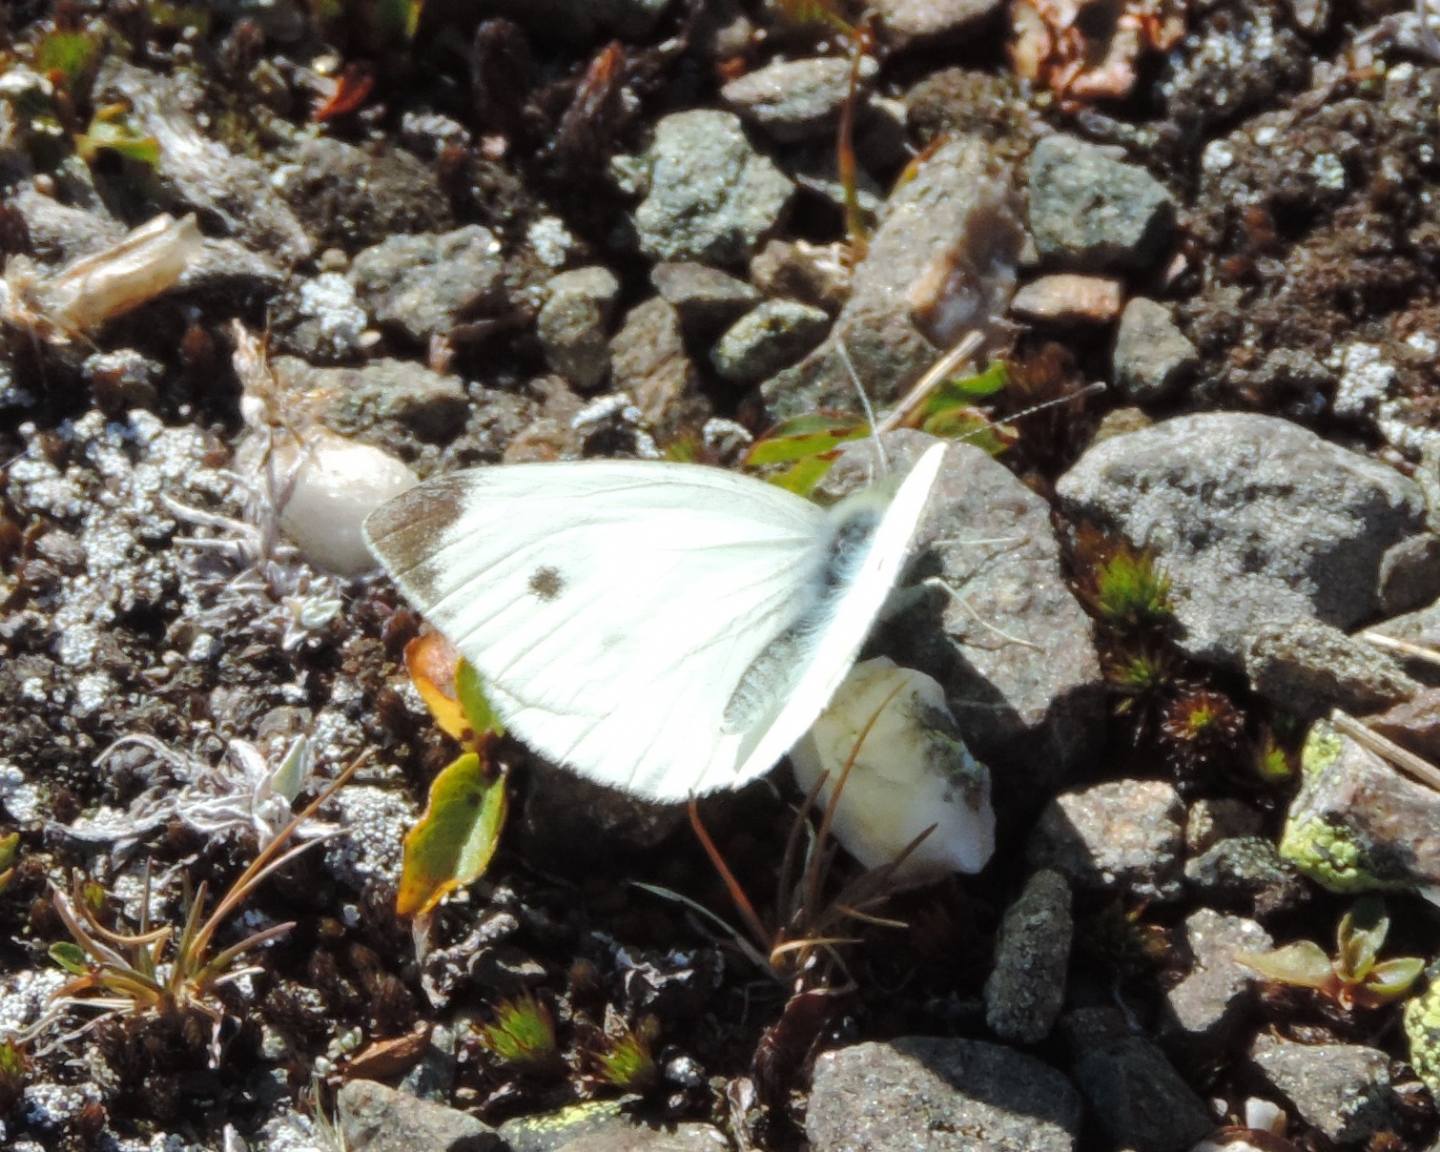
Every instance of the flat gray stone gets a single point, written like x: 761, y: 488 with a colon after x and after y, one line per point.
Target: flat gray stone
x: 1341, y: 1089
x: 768, y: 338
x: 792, y: 100
x: 1125, y: 836
x: 1152, y: 357
x: 707, y: 299
x: 1204, y: 1008
x: 917, y: 23
x: 1094, y: 211
x: 574, y: 324
x: 649, y: 361
x: 1246, y: 872
x: 940, y: 1095
x: 374, y: 1118
x: 1308, y: 668
x: 1256, y: 521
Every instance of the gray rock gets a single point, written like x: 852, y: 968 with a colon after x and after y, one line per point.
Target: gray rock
x: 60, y: 233
x: 574, y: 324
x: 1307, y: 668
x: 940, y: 264
x: 413, y: 400
x: 1152, y: 357
x: 940, y: 1095
x: 1415, y: 724
x: 1017, y: 657
x: 1211, y: 820
x: 712, y: 197
x: 419, y: 284
x: 1204, y: 1008
x: 1246, y: 872
x: 768, y: 338
x: 648, y: 361
x: 1410, y: 573
x: 1357, y: 824
x: 706, y: 299
x: 1341, y: 1089
x: 1125, y: 836
x: 195, y: 173
x: 1134, y: 1092
x: 1255, y: 519
x: 604, y: 1126
x: 1090, y: 209
x: 376, y: 821
x: 374, y: 1118
x: 351, y: 198
x: 911, y: 23
x: 792, y: 99
x: 1026, y: 989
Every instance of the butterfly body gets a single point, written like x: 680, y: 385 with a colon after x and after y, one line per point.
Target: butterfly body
x: 666, y: 629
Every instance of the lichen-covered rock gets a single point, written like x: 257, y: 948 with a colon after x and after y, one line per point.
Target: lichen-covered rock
x: 1422, y: 1029
x: 711, y: 197
x: 1357, y: 824
x: 939, y: 1094
x: 1246, y: 872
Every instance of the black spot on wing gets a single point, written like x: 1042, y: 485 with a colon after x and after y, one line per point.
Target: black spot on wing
x: 546, y: 583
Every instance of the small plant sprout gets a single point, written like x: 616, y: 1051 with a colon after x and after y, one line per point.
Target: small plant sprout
x: 626, y: 1061
x: 1131, y: 590
x: 1201, y: 729
x: 152, y: 971
x: 522, y: 1036
x: 9, y: 851
x: 13, y: 1069
x: 1355, y: 977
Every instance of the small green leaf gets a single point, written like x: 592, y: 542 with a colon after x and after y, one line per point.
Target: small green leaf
x: 9, y: 849
x: 1360, y: 937
x: 479, y: 713
x: 803, y: 438
x: 1391, y: 980
x: 67, y: 57
x: 1303, y: 964
x: 70, y: 956
x: 117, y: 135
x: 455, y: 840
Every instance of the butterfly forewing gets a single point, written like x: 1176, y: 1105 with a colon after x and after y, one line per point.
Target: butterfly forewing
x: 611, y: 607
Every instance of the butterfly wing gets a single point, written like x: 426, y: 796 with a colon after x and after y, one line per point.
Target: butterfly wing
x: 850, y: 614
x: 611, y: 606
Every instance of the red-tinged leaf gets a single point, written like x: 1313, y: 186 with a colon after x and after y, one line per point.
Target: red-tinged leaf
x: 1303, y: 964
x: 1392, y: 980
x: 432, y: 664
x: 804, y: 437
x: 455, y: 840
x: 351, y: 91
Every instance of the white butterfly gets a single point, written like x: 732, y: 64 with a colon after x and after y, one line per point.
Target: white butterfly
x: 665, y: 629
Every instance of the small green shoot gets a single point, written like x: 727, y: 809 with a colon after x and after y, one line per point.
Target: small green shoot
x: 9, y: 851
x: 1127, y: 588
x: 67, y: 57
x: 13, y: 1070
x: 1355, y: 977
x: 1273, y: 764
x: 627, y: 1062
x: 949, y: 411
x: 111, y: 131
x: 152, y: 971
x: 522, y: 1035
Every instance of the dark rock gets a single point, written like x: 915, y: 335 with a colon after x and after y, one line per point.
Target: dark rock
x: 1307, y: 668
x: 374, y: 1118
x: 1092, y: 210
x: 574, y: 325
x: 1256, y: 521
x: 352, y: 199
x: 706, y: 299
x: 1134, y: 1092
x: 1026, y: 989
x: 1152, y: 357
x: 941, y: 1095
x: 417, y: 402
x: 648, y: 361
x: 818, y: 274
x: 1341, y: 1089
x: 422, y: 285
x: 1410, y: 574
x: 1211, y: 820
x: 1203, y: 1010
x: 1246, y: 872
x: 1126, y: 836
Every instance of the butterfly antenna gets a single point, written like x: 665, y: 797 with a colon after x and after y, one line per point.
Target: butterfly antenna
x: 865, y: 406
